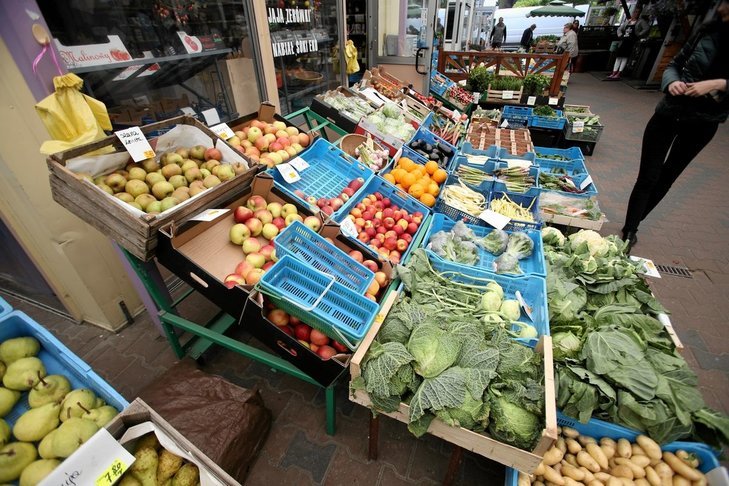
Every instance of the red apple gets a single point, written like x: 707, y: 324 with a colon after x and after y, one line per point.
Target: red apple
x: 371, y: 264
x: 407, y: 237
x: 255, y: 225
x: 318, y: 338
x: 381, y: 278
x: 279, y: 317
x: 234, y: 279
x: 267, y: 251
x: 348, y: 191
x: 363, y: 237
x: 388, y: 223
x: 213, y: 153
x: 242, y: 214
x: 294, y: 321
x: 326, y: 352
x: 279, y: 222
x: 243, y: 268
x: 371, y: 231
x: 287, y: 330
x: 356, y: 183
x: 302, y: 332
x: 391, y: 243
x: 412, y: 228
x: 356, y: 212
x: 398, y: 229
x: 264, y: 215
x: 328, y: 210
x: 254, y: 276
x: 266, y: 266
x: 402, y: 245
x: 341, y: 348
x: 336, y: 203
x: 256, y: 202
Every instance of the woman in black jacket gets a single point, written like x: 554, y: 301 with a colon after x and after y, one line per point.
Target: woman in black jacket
x: 686, y: 119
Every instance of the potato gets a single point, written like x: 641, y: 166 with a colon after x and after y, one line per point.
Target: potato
x: 570, y: 432
x: 573, y: 446
x: 553, y: 456
x: 589, y: 477
x: 651, y: 448
x: 690, y: 459
x: 638, y: 472
x: 663, y: 470
x: 537, y: 483
x: 552, y: 476
x: 624, y: 449
x: 585, y: 459
x: 571, y: 460
x: 539, y: 471
x: 700, y: 482
x: 603, y: 477
x: 641, y: 461
x: 571, y: 482
x: 652, y: 476
x: 595, y: 482
x: 637, y: 450
x: 681, y: 468
x: 561, y: 445
x: 608, y: 450
x: 681, y: 481
x: 523, y: 480
x: 607, y: 441
x: 622, y: 471
x: 586, y: 439
x: 613, y: 481
x: 572, y: 472
x: 597, y: 454
x: 641, y: 482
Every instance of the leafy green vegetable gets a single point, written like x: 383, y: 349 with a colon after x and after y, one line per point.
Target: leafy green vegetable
x: 544, y: 110
x: 495, y: 242
x: 551, y: 236
x: 511, y: 423
x: 434, y: 350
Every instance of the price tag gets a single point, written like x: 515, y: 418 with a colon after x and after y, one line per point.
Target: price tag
x: 647, y: 267
x: 476, y: 159
x: 553, y: 101
x: 504, y: 124
x: 507, y: 95
x: 456, y: 115
x: 532, y: 100
x: 209, y: 214
x: 211, y: 117
x: 476, y: 96
x: 136, y: 143
x: 380, y: 318
x: 517, y: 163
x: 578, y: 126
x: 527, y: 308
x: 586, y: 182
x: 348, y: 228
x: 299, y: 164
x: 495, y: 219
x: 288, y: 173
x: 114, y: 472
x: 186, y: 110
x: 223, y: 131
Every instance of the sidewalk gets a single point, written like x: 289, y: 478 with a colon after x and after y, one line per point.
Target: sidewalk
x: 690, y: 228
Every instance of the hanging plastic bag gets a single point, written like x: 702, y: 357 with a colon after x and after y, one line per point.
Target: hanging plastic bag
x: 71, y: 117
x: 350, y: 55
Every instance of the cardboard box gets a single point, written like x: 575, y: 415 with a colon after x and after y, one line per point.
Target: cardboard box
x: 201, y: 254
x: 132, y: 229
x: 267, y: 113
x: 321, y: 107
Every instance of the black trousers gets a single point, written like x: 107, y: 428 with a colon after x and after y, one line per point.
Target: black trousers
x: 684, y: 140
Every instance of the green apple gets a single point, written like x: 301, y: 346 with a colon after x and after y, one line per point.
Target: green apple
x: 167, y: 203
x: 137, y: 173
x: 135, y: 187
x: 171, y: 170
x: 162, y: 190
x: 177, y: 181
x: 124, y: 196
x: 143, y: 200
x: 153, y: 178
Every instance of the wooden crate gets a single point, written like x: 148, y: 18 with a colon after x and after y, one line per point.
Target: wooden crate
x: 480, y: 444
x: 496, y: 96
x: 133, y: 232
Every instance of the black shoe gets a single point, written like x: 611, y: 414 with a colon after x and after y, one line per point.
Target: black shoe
x: 631, y: 237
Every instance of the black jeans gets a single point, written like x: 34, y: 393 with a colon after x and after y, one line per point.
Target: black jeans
x: 684, y: 139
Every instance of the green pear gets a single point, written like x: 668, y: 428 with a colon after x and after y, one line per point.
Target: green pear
x: 36, y: 471
x: 14, y: 457
x: 188, y: 475
x: 45, y: 448
x: 52, y: 388
x: 128, y: 480
x: 3, y: 367
x: 144, y: 468
x: 22, y: 347
x: 101, y: 416
x: 8, y: 399
x: 71, y: 434
x: 76, y: 403
x: 169, y: 464
x: 36, y: 423
x: 24, y: 373
x: 147, y: 440
x: 99, y: 402
x: 4, y: 432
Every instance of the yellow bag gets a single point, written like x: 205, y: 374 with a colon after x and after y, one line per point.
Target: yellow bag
x: 71, y: 117
x: 350, y: 55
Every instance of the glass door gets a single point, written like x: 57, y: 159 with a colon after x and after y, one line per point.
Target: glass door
x: 307, y: 52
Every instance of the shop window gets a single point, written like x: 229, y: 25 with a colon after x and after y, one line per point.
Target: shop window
x: 399, y: 25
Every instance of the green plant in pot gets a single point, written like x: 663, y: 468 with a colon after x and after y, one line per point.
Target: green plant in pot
x: 479, y: 79
x: 535, y: 84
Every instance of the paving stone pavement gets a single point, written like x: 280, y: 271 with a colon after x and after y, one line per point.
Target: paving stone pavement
x: 690, y: 228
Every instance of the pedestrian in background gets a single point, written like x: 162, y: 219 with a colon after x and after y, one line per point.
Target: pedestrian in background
x: 527, y: 38
x: 630, y: 33
x: 568, y: 43
x: 498, y: 34
x: 685, y: 120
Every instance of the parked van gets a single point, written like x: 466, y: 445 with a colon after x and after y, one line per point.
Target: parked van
x: 516, y: 21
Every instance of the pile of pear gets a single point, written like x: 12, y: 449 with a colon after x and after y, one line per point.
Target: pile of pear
x: 158, y: 184
x: 156, y: 466
x: 58, y: 421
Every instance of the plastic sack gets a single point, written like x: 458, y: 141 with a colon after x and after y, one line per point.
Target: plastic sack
x: 350, y: 55
x: 572, y: 206
x: 71, y: 117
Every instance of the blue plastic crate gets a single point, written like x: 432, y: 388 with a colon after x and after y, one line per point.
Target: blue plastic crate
x: 399, y: 198
x: 532, y: 191
x: 532, y: 288
x: 439, y: 83
x: 300, y: 242
x: 517, y: 116
x: 569, y: 167
x: 58, y: 360
x: 549, y: 122
x: 495, y: 152
x: 428, y: 123
x: 423, y: 134
x: 456, y: 214
x: 590, y: 190
x: 534, y: 265
x: 329, y: 171
x: 571, y: 153
x: 317, y: 299
x: 598, y: 429
x: 5, y: 308
x: 524, y: 201
x: 488, y: 167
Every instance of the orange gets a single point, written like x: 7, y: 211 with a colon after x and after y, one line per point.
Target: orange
x: 406, y: 163
x: 416, y: 190
x: 428, y: 200
x: 424, y: 181
x: 398, y: 174
x: 408, y: 180
x: 420, y: 170
x: 389, y: 178
x: 440, y: 176
x: 433, y: 188
x: 431, y: 166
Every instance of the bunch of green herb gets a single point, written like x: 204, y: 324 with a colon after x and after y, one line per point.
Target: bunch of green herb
x: 535, y: 84
x: 544, y: 110
x: 479, y: 79
x: 506, y: 83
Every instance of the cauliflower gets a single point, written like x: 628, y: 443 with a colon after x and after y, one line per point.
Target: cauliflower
x: 596, y: 244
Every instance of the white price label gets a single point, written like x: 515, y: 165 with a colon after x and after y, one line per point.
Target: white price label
x: 504, y: 124
x: 517, y: 163
x: 186, y: 110
x: 476, y: 159
x: 476, y: 96
x: 647, y: 267
x: 507, y: 95
x: 209, y: 214
x: 578, y: 126
x: 456, y: 115
x: 495, y: 219
x: 299, y: 164
x: 223, y: 131
x: 553, y: 101
x: 288, y: 173
x: 527, y: 308
x: 211, y: 117
x: 586, y: 182
x: 136, y: 144
x: 348, y: 228
x: 532, y: 100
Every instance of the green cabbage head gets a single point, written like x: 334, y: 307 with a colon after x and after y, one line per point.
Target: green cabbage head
x: 434, y: 349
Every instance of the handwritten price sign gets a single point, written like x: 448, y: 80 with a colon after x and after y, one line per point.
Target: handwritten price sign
x: 136, y: 144
x: 110, y: 476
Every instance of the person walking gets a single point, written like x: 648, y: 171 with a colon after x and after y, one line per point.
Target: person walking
x: 568, y: 43
x: 498, y: 34
x: 685, y: 120
x: 527, y: 38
